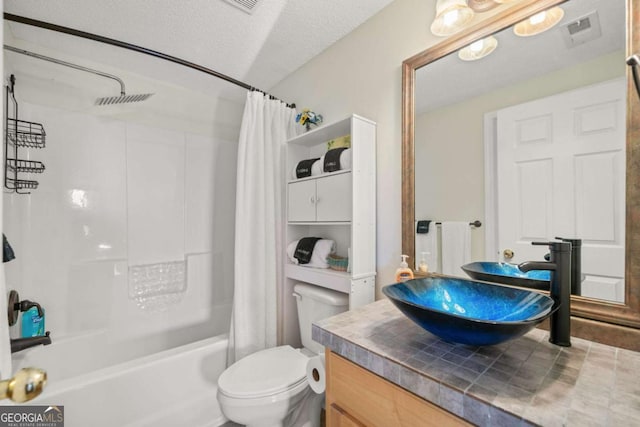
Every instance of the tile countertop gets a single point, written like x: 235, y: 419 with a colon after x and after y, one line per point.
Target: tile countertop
x: 527, y: 381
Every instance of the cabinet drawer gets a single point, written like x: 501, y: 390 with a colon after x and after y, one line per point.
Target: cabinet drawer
x: 356, y: 397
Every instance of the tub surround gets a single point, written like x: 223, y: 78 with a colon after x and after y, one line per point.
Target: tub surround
x: 527, y: 381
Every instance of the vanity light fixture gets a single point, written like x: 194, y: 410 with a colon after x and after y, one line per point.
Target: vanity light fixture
x: 479, y: 6
x: 451, y: 16
x: 539, y: 22
x: 478, y: 49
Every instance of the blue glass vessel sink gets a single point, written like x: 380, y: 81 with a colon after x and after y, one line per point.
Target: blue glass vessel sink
x: 469, y: 312
x: 508, y: 274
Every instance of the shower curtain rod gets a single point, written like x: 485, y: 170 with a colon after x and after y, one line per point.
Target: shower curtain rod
x: 135, y: 48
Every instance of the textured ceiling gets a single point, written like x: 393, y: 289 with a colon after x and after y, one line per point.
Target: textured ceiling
x: 260, y: 49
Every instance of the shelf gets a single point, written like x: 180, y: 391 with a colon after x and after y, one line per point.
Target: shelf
x: 20, y: 134
x: 323, y: 133
x: 20, y: 184
x: 25, y: 134
x: 24, y: 166
x: 323, y: 175
x: 325, y: 277
x: 328, y: 131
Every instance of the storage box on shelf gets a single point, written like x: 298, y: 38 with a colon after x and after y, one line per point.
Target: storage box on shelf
x: 340, y: 206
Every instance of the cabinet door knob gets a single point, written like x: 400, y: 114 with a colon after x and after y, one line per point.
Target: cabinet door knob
x: 312, y: 200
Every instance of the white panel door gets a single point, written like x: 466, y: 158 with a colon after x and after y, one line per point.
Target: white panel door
x: 561, y: 172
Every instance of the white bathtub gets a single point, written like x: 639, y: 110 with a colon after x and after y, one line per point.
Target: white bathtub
x: 175, y: 387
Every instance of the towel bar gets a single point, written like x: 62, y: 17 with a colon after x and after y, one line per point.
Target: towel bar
x: 475, y: 223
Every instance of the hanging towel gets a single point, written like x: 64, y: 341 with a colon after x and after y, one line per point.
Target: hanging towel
x: 304, y: 167
x: 428, y: 242
x: 332, y: 159
x: 456, y: 247
x: 304, y: 249
x: 321, y: 251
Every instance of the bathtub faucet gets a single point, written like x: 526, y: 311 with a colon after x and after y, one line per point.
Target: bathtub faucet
x: 559, y: 265
x: 20, y: 344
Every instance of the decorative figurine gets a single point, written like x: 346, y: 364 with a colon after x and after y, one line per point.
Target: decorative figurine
x: 308, y: 118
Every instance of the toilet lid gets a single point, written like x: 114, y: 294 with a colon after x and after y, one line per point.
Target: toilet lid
x: 264, y: 373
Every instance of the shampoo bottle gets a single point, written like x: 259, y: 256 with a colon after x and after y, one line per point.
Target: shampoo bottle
x: 404, y: 273
x: 32, y: 323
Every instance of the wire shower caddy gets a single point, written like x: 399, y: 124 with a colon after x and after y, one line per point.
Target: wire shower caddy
x: 20, y: 134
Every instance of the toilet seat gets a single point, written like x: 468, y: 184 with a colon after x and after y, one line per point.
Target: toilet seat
x: 265, y: 373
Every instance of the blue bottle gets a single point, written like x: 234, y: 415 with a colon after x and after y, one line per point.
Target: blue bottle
x: 32, y: 323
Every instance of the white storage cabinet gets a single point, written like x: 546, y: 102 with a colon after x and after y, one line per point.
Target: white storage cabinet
x: 341, y: 206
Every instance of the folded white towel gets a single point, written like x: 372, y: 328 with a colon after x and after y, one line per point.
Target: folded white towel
x: 316, y: 168
x: 345, y: 159
x: 321, y: 251
x: 456, y: 247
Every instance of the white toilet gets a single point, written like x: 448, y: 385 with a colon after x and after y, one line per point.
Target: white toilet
x: 267, y: 388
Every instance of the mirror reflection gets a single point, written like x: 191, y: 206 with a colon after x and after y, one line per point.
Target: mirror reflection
x: 530, y: 140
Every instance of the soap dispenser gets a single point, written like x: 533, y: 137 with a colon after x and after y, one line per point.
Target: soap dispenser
x: 404, y: 273
x: 423, y: 267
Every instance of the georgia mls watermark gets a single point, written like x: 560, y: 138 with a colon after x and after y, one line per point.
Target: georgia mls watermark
x: 32, y: 416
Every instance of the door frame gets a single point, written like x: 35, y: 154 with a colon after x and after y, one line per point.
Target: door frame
x: 491, y: 249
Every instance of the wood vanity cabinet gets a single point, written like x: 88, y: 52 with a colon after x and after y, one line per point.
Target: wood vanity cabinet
x: 358, y: 397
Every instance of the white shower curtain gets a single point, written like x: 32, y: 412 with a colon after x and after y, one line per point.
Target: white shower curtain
x: 259, y: 247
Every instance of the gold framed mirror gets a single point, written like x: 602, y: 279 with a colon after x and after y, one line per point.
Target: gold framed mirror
x: 615, y: 323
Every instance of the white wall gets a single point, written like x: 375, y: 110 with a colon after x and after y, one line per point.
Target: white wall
x: 441, y: 141
x: 124, y: 188
x: 362, y: 74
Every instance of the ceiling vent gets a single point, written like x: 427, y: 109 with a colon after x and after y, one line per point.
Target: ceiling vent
x: 247, y: 6
x: 581, y: 30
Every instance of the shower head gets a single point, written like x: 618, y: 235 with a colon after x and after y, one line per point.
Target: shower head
x: 109, y: 100
x: 123, y: 99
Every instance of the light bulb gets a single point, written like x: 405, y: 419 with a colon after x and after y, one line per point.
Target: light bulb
x: 478, y: 49
x: 538, y: 18
x: 477, y: 46
x: 450, y: 17
x: 539, y: 22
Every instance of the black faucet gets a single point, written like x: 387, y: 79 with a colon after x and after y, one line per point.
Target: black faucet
x: 20, y: 344
x: 559, y: 265
x: 576, y: 265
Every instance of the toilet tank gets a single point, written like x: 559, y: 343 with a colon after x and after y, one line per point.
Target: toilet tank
x: 317, y: 303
